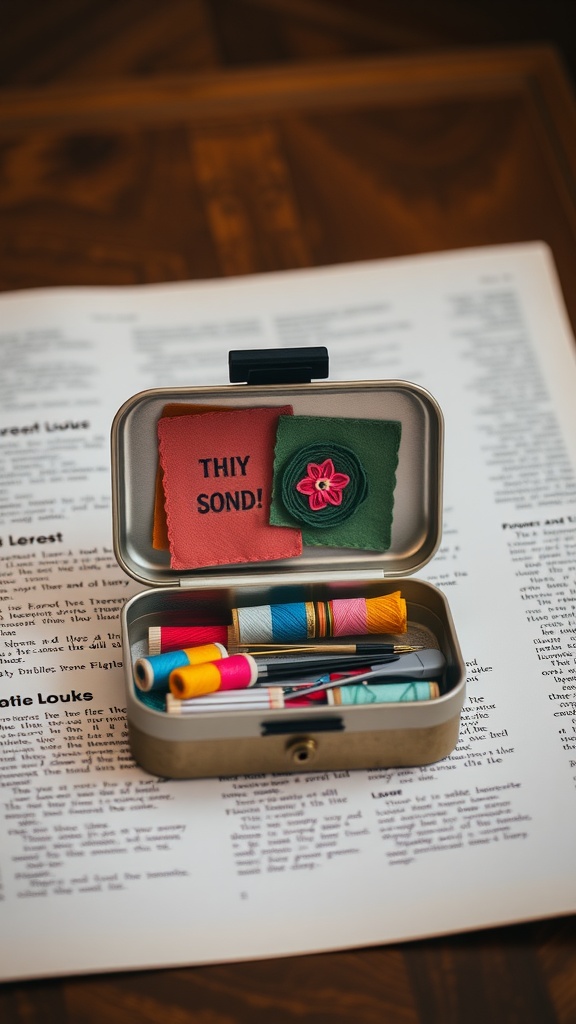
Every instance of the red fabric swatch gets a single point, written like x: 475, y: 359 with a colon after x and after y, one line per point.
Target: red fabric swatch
x: 218, y: 470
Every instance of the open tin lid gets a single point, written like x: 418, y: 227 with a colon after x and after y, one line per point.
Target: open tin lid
x: 284, y: 378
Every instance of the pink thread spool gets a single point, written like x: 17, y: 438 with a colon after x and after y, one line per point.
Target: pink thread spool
x: 234, y: 673
x: 349, y: 616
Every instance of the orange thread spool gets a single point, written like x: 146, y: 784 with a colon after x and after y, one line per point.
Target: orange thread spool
x: 386, y: 614
x: 234, y: 673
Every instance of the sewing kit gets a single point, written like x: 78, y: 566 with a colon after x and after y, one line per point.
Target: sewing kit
x: 276, y: 524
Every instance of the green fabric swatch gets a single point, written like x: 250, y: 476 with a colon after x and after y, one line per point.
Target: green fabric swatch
x: 375, y: 444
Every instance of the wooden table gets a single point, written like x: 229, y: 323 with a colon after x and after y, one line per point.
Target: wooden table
x: 234, y: 173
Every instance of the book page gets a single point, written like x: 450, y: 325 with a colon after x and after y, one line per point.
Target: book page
x: 104, y: 867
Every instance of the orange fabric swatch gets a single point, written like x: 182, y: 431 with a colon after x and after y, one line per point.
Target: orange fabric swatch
x: 218, y: 470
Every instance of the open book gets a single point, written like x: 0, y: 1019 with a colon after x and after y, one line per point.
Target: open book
x: 103, y: 867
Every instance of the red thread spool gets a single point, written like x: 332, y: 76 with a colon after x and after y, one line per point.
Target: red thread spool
x: 176, y: 638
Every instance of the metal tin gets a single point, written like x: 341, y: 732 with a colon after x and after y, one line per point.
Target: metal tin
x: 318, y: 738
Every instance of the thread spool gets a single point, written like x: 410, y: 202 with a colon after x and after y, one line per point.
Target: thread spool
x: 176, y: 638
x: 237, y: 672
x: 153, y: 673
x: 260, y: 698
x: 383, y: 693
x: 298, y: 621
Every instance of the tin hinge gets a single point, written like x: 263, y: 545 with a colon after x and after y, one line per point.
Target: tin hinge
x: 278, y: 365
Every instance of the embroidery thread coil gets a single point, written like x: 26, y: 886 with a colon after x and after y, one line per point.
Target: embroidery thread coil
x: 305, y: 466
x: 297, y: 621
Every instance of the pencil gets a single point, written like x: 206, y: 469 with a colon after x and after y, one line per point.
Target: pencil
x: 262, y: 698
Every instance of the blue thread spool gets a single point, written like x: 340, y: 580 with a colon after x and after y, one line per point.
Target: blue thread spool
x: 277, y: 623
x: 153, y: 673
x: 289, y: 622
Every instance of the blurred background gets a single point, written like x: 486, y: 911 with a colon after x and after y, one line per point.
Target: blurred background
x: 45, y: 41
x: 106, y: 184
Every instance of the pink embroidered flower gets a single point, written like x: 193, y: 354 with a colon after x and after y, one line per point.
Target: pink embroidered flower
x: 323, y: 485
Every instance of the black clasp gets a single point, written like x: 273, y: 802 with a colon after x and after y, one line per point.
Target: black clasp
x: 296, y: 726
x: 277, y: 365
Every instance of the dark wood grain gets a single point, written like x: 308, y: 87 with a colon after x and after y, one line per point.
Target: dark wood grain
x: 95, y: 40
x: 238, y: 172
x: 145, y: 172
